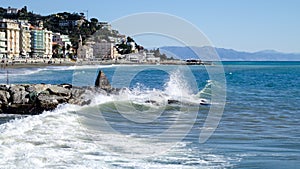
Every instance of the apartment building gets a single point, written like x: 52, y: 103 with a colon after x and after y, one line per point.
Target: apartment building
x: 25, y: 36
x: 41, y: 43
x: 3, y: 40
x: 103, y: 50
x: 12, y: 37
x: 37, y: 43
x: 48, y: 43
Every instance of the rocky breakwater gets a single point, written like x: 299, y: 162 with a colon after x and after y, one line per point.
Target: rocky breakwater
x: 36, y: 98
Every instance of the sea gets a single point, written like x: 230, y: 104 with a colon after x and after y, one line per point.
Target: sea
x: 225, y: 115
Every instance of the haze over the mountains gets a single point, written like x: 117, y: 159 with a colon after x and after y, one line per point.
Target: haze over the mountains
x: 227, y: 54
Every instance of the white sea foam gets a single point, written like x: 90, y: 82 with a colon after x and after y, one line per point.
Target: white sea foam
x: 57, y: 139
x: 20, y: 72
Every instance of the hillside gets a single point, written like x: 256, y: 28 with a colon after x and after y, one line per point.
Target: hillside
x: 227, y: 54
x: 72, y: 24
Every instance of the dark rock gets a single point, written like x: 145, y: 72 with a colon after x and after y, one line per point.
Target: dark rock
x: 171, y: 101
x: 19, y: 109
x: 102, y: 81
x: 204, y: 103
x: 50, y: 102
x: 4, y: 87
x: 151, y: 101
x: 78, y: 96
x: 66, y: 85
x: 77, y: 92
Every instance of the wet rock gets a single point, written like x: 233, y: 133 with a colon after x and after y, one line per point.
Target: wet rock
x: 151, y: 101
x: 78, y: 97
x: 19, y: 109
x: 171, y: 101
x: 50, y: 102
x: 77, y: 92
x: 102, y: 81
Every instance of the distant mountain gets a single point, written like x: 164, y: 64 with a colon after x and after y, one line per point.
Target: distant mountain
x: 207, y: 53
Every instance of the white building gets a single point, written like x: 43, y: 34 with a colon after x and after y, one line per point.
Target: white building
x: 151, y: 58
x: 3, y: 51
x: 136, y: 57
x: 25, y: 43
x: 12, y: 37
x: 48, y: 44
x: 10, y: 10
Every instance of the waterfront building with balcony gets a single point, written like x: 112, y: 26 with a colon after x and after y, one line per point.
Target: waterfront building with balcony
x: 37, y: 43
x: 41, y: 43
x: 25, y: 43
x: 12, y: 37
x: 48, y: 43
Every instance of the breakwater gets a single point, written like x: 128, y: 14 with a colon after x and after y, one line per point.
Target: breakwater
x: 36, y: 98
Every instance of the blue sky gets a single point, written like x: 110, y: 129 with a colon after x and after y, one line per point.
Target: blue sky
x: 246, y: 25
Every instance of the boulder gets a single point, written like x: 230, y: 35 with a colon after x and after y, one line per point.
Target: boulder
x: 59, y: 90
x: 30, y: 88
x: 4, y: 87
x: 50, y: 102
x: 41, y: 87
x: 77, y: 92
x: 66, y: 85
x: 4, y: 97
x: 172, y: 101
x: 102, y: 81
x: 77, y: 96
x: 18, y: 94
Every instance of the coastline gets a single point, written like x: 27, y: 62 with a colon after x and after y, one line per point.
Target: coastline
x: 32, y: 63
x: 11, y: 65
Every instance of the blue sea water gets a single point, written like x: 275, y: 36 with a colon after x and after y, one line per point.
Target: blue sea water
x: 258, y: 128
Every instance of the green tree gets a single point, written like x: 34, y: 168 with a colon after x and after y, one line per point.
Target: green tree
x: 94, y: 20
x: 64, y: 51
x: 55, y: 49
x: 129, y: 39
x: 68, y: 47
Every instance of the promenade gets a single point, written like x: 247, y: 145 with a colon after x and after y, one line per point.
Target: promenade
x: 41, y: 62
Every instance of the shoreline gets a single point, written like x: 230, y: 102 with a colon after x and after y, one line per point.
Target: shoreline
x: 32, y: 65
x: 63, y: 62
x: 11, y: 65
x: 80, y: 63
